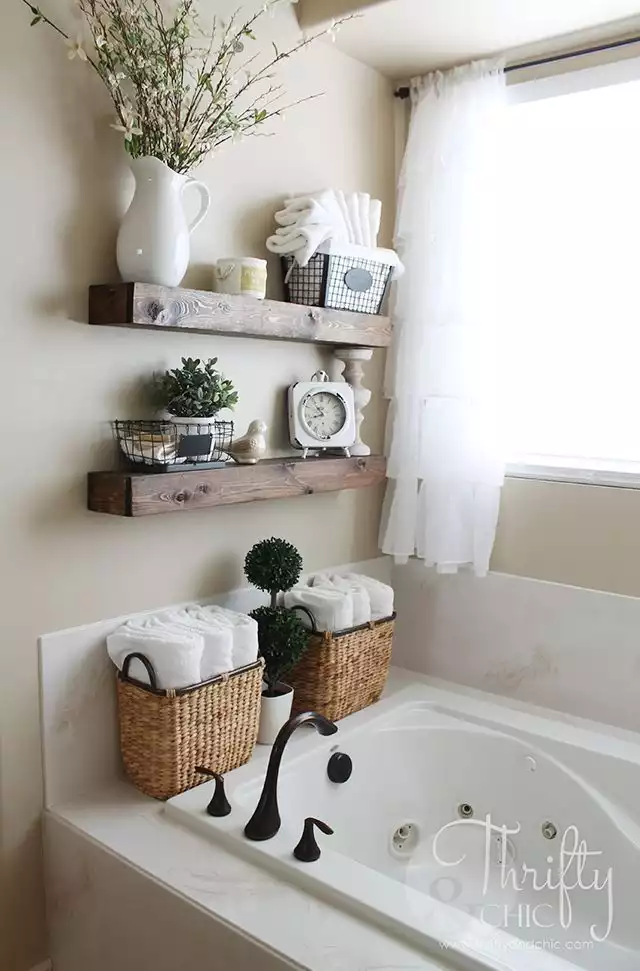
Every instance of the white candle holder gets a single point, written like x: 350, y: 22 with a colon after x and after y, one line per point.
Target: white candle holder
x: 353, y: 358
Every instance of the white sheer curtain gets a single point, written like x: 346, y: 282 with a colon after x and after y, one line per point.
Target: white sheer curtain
x: 445, y: 456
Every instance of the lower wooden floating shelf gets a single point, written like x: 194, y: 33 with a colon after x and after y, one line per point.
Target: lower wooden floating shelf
x: 147, y: 494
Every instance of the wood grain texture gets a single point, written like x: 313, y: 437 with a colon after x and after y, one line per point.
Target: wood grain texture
x: 143, y: 494
x: 150, y: 306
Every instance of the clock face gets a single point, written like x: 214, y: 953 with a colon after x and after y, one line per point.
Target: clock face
x: 323, y: 414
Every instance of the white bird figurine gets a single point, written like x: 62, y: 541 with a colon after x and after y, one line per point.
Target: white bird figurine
x: 251, y: 447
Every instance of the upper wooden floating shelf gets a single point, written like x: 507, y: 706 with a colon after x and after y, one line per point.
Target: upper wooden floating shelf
x: 166, y: 308
x: 147, y: 493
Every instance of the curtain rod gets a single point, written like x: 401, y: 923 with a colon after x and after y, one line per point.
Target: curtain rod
x: 404, y: 93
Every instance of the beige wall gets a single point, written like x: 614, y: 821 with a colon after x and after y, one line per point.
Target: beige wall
x: 587, y: 536
x: 62, y: 175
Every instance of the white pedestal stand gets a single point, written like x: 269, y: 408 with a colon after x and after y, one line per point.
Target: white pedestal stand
x: 353, y: 358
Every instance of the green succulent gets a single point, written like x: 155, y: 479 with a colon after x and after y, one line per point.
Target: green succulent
x: 196, y: 390
x: 283, y: 639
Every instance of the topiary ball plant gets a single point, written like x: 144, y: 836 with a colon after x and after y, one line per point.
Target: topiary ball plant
x: 283, y: 639
x: 195, y: 390
x: 273, y: 565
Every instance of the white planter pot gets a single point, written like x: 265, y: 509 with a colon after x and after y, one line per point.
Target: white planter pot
x: 153, y: 241
x: 274, y: 712
x: 196, y: 426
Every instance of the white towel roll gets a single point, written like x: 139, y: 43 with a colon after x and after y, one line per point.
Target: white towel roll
x: 244, y: 631
x: 359, y: 594
x: 217, y: 655
x: 175, y: 655
x: 380, y: 595
x: 332, y: 609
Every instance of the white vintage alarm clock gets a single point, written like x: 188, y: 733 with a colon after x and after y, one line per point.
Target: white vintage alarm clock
x: 321, y: 414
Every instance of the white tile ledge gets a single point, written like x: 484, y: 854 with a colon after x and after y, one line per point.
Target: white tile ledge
x: 272, y: 913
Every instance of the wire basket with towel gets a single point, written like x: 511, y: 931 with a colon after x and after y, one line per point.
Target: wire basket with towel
x: 346, y: 666
x: 342, y: 277
x: 188, y: 688
x: 328, y: 242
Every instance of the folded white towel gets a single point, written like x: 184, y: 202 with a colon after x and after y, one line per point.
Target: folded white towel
x: 375, y: 218
x: 364, y: 209
x: 380, y: 595
x: 311, y: 213
x: 301, y: 242
x: 332, y: 609
x: 359, y: 594
x: 176, y: 655
x: 244, y: 631
x: 344, y: 210
x: 318, y: 208
x: 354, y: 215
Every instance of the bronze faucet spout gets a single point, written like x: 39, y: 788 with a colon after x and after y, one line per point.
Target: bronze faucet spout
x: 265, y: 822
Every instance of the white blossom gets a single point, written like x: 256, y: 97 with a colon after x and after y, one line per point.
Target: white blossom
x: 127, y: 126
x: 186, y: 98
x: 76, y: 49
x: 332, y: 32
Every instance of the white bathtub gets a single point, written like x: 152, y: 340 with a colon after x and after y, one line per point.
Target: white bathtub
x: 403, y: 856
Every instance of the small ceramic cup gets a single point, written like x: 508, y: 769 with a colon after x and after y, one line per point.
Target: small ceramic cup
x: 241, y: 275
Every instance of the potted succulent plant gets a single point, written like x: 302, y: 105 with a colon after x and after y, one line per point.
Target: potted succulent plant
x: 193, y: 395
x: 274, y: 565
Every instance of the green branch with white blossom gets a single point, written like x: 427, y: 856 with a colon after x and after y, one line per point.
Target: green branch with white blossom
x: 180, y: 91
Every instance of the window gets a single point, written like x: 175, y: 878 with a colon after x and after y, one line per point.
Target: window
x: 573, y: 275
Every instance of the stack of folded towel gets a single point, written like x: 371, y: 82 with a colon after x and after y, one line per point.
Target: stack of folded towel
x: 186, y: 646
x: 306, y: 222
x: 338, y: 602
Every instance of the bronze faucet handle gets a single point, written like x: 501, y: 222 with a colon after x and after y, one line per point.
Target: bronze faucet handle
x: 307, y: 850
x: 219, y: 805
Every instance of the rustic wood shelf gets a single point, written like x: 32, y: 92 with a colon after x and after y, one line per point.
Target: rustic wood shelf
x: 146, y: 494
x: 164, y: 308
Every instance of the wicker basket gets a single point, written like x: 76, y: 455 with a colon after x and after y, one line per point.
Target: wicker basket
x: 164, y: 735
x: 345, y: 671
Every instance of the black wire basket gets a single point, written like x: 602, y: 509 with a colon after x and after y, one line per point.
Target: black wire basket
x: 168, y: 446
x: 338, y: 282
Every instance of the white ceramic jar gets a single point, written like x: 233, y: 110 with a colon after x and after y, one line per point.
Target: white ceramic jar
x: 242, y: 275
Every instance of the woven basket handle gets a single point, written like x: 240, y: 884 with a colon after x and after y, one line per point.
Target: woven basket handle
x: 305, y: 610
x: 148, y: 666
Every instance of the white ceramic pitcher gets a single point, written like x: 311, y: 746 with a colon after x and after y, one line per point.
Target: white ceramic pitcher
x: 153, y: 241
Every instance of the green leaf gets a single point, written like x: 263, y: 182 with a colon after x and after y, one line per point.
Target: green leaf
x: 282, y: 638
x: 196, y: 389
x: 275, y: 47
